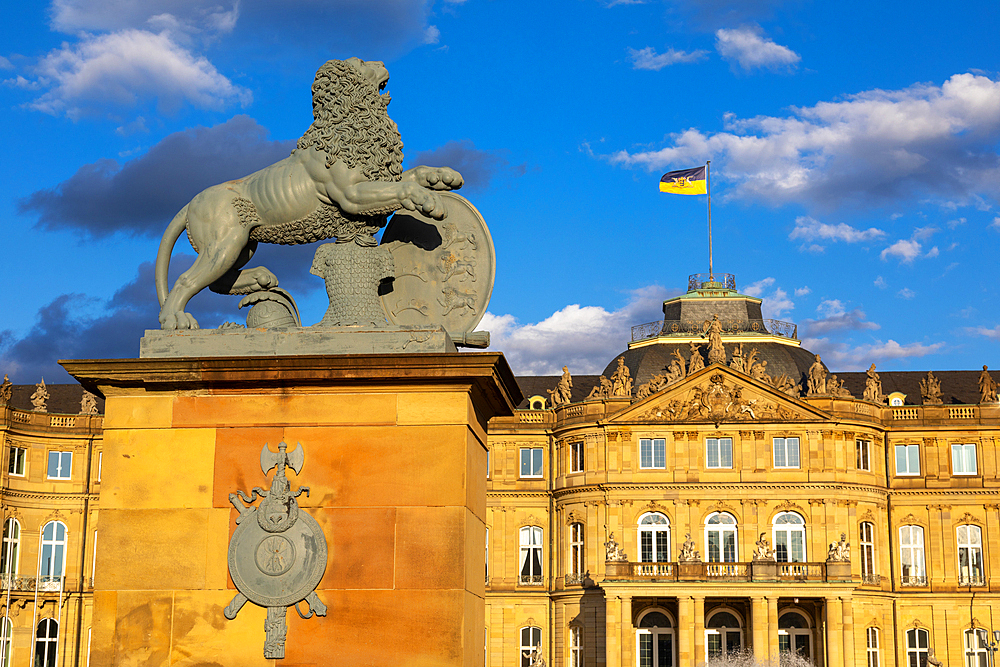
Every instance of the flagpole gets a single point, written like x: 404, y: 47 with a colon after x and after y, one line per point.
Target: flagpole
x: 708, y: 182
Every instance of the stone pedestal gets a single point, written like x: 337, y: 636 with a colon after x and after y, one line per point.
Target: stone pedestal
x: 763, y: 570
x: 690, y: 570
x: 395, y: 459
x: 838, y: 570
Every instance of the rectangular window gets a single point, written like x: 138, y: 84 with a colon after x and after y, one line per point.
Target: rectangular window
x: 60, y: 465
x: 786, y: 452
x: 489, y: 461
x: 577, y: 553
x: 872, y: 637
x: 863, y: 449
x: 576, y: 457
x: 576, y: 646
x: 911, y: 547
x: 652, y: 453
x: 868, y: 553
x: 907, y: 460
x: 719, y: 452
x: 531, y: 462
x: 17, y: 458
x: 977, y: 652
x: 963, y: 459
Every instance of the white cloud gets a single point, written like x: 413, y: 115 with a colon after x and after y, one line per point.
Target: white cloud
x: 74, y: 16
x: 952, y: 224
x: 432, y: 35
x: 996, y: 223
x: 906, y: 293
x: 993, y: 333
x: 810, y: 229
x: 906, y: 250
x: 933, y: 252
x: 125, y: 68
x: 880, y: 283
x: 648, y: 58
x: 802, y: 291
x: 880, y: 146
x: 5, y: 64
x: 834, y: 316
x: 843, y: 357
x: 774, y: 304
x: 748, y: 47
x: 585, y: 338
x: 757, y: 288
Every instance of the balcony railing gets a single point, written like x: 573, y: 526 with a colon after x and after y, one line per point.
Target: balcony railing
x: 711, y: 281
x: 45, y: 584
x: 871, y: 579
x: 734, y: 571
x: 531, y: 580
x: 654, y: 570
x: 575, y: 579
x: 699, y: 571
x: 729, y: 326
x: 913, y: 580
x: 971, y: 580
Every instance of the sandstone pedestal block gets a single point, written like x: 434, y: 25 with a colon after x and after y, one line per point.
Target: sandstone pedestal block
x: 395, y: 449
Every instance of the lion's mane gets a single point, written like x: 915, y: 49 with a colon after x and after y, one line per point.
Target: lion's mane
x: 351, y: 124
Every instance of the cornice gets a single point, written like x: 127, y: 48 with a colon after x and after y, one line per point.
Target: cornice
x: 36, y: 495
x: 744, y: 488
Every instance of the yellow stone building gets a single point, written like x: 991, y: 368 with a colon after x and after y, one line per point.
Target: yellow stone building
x: 596, y: 507
x: 51, y: 483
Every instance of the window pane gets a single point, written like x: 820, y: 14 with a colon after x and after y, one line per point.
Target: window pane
x: 957, y: 462
x: 970, y: 459
x: 729, y: 545
x: 659, y: 453
x: 712, y: 455
x: 537, y: 461
x: 726, y: 452
x: 913, y: 454
x: 798, y: 547
x: 779, y: 453
x: 661, y: 546
x: 645, y: 453
x: 900, y: 459
x: 792, y: 446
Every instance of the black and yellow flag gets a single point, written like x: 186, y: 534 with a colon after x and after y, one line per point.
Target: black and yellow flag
x: 685, y: 182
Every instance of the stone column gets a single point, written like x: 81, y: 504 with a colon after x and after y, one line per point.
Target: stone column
x: 758, y: 618
x: 772, y: 627
x: 699, y: 629
x: 685, y: 632
x: 626, y: 632
x: 612, y: 636
x: 849, y: 652
x: 835, y: 631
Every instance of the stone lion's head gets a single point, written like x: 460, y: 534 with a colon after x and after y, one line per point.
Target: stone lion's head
x: 351, y: 123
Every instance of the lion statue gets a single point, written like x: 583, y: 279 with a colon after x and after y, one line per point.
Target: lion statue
x: 342, y: 181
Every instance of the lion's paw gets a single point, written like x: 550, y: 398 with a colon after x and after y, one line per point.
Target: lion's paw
x: 178, y: 320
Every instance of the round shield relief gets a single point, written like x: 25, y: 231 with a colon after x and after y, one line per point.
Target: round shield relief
x: 277, y: 569
x: 444, y: 268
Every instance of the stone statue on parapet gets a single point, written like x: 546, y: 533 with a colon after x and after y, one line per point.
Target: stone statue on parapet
x: 839, y: 552
x: 873, y: 386
x: 88, y: 403
x: 621, y: 381
x: 561, y: 394
x: 930, y: 390
x: 786, y: 385
x: 604, y: 389
x: 933, y: 659
x: 987, y: 387
x: 6, y: 390
x: 697, y: 361
x: 737, y: 361
x: 614, y: 554
x: 688, y: 552
x: 657, y: 383
x: 675, y: 370
x: 40, y: 397
x: 763, y: 550
x: 712, y: 329
x: 835, y: 387
x: 816, y: 378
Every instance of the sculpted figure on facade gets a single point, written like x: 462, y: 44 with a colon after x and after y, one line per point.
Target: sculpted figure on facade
x: 816, y: 378
x: 343, y: 179
x: 759, y: 371
x: 839, y: 551
x: 675, y: 370
x: 688, y: 552
x: 835, y: 387
x: 786, y: 385
x: 932, y: 659
x: 697, y: 361
x: 873, y: 386
x: 713, y: 330
x: 987, y: 387
x: 40, y: 397
x: 613, y: 551
x: 930, y: 390
x: 736, y: 363
x: 621, y: 381
x: 601, y: 390
x: 763, y: 550
x: 561, y: 394
x: 88, y: 403
x: 6, y: 390
x: 657, y: 383
x: 534, y: 657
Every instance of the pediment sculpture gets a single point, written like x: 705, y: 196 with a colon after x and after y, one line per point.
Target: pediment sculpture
x: 716, y: 401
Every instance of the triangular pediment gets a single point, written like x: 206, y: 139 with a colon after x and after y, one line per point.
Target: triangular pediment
x: 718, y: 394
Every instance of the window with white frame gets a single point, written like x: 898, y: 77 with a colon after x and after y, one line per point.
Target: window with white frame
x: 6, y: 645
x: 576, y: 457
x: 575, y: 646
x: 723, y: 635
x: 531, y: 462
x: 100, y: 463
x: 52, y: 559
x: 531, y: 556
x: 907, y: 460
x: 577, y: 563
x: 489, y: 462
x: 862, y: 450
x: 720, y: 536
x: 531, y: 641
x: 794, y: 635
x: 911, y: 551
x: 46, y: 643
x: 916, y: 647
x: 789, y: 538
x: 652, y: 453
x: 487, y: 555
x: 977, y: 652
x: 60, y: 465
x: 654, y: 538
x: 786, y: 452
x: 867, y: 534
x: 718, y: 452
x: 963, y: 459
x: 15, y: 465
x: 871, y: 640
x: 11, y: 547
x: 654, y: 640
x: 970, y: 556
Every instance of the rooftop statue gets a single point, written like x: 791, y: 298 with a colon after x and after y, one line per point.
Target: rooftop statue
x: 930, y: 390
x: 342, y: 181
x: 987, y: 387
x: 713, y: 331
x: 873, y: 386
x: 816, y: 380
x: 561, y: 394
x: 40, y: 397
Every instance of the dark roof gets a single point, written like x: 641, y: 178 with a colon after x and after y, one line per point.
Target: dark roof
x: 64, y: 399
x: 538, y: 385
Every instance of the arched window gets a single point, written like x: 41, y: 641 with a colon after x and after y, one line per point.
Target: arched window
x: 872, y: 640
x: 531, y: 556
x: 970, y: 556
x: 11, y: 547
x: 654, y: 538
x: 867, y: 531
x: 916, y: 647
x: 6, y: 633
x: 53, y: 555
x: 720, y: 536
x: 911, y: 548
x: 531, y: 641
x: 723, y: 634
x: 794, y: 634
x: 789, y: 538
x: 577, y: 554
x: 46, y: 643
x: 977, y: 653
x: 575, y: 646
x: 655, y: 640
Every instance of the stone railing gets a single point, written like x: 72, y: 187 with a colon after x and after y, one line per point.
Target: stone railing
x: 747, y: 572
x: 574, y: 579
x: 531, y: 580
x: 905, y: 413
x: 729, y: 326
x: 871, y: 579
x: 654, y: 570
x: 962, y: 412
x: 44, y: 419
x: 531, y: 416
x: 45, y: 584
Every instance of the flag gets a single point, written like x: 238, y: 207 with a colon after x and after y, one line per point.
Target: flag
x: 685, y: 181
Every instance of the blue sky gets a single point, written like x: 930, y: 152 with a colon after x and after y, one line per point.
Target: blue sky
x: 854, y: 148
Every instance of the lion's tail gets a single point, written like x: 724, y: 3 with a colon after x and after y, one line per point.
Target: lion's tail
x: 170, y: 236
